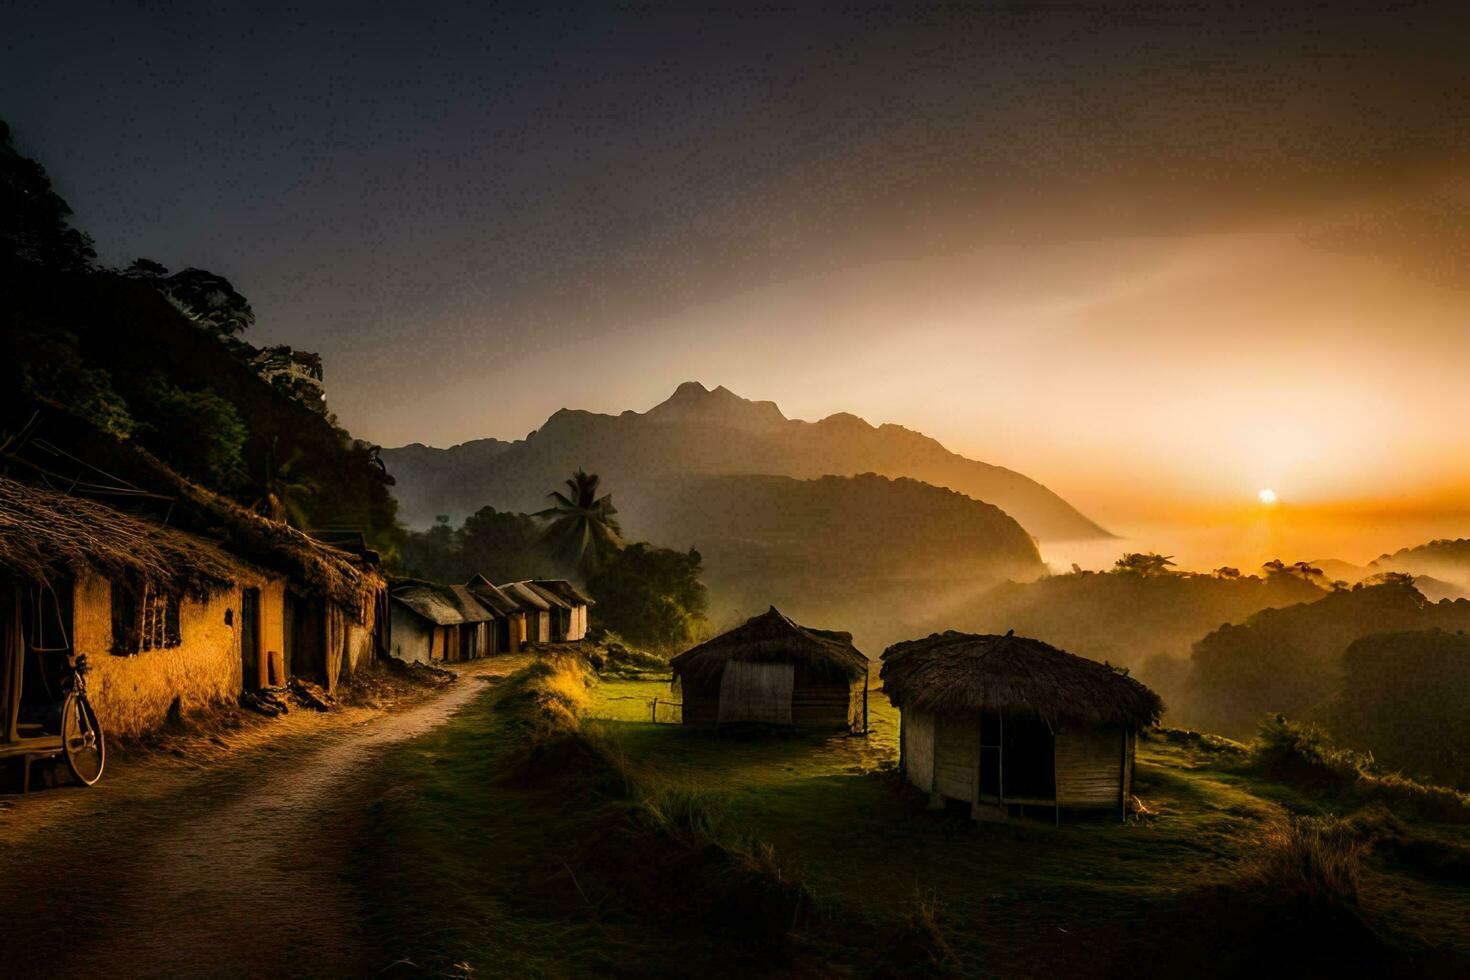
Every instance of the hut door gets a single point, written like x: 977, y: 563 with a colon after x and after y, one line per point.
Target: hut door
x: 250, y: 638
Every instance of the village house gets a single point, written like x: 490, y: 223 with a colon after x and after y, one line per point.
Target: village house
x: 772, y: 671
x: 1011, y: 725
x: 434, y: 622
x: 169, y: 621
x: 510, y: 618
x: 559, y: 612
x: 536, y: 607
x: 576, y: 602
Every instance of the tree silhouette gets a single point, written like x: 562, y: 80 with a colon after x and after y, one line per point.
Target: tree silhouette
x: 1143, y: 563
x: 583, y: 531
x: 287, y: 494
x: 1226, y: 572
x: 33, y: 225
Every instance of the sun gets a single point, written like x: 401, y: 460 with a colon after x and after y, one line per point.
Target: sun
x: 1266, y: 496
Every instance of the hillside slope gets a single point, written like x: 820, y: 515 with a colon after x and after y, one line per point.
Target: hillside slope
x: 884, y: 559
x: 703, y: 432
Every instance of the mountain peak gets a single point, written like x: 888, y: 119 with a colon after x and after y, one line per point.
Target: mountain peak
x: 693, y: 402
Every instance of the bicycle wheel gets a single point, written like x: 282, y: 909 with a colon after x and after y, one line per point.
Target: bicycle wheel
x: 82, y: 742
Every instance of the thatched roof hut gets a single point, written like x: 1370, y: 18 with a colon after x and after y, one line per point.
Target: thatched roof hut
x: 573, y: 624
x: 770, y: 670
x: 1007, y: 721
x: 432, y: 621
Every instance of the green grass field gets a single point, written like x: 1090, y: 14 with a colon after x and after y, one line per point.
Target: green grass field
x: 527, y: 887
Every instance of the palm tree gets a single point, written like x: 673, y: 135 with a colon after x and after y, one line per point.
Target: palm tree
x: 583, y: 529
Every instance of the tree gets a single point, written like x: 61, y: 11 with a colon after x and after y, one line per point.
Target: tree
x: 145, y: 269
x: 206, y: 298
x: 1143, y: 563
x: 583, y: 531
x: 651, y: 596
x: 33, y: 225
x: 1227, y: 572
x: 1306, y: 572
x: 197, y: 432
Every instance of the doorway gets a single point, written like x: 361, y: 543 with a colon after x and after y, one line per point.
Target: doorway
x: 250, y: 638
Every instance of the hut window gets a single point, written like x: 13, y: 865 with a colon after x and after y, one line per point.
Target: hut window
x: 144, y: 619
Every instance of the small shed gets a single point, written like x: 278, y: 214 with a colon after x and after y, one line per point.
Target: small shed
x: 559, y: 610
x: 771, y: 671
x: 536, y: 608
x: 1007, y: 722
x: 440, y: 622
x: 510, y: 619
x: 575, y: 599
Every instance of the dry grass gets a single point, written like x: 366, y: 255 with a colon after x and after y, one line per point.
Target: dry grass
x: 1311, y: 860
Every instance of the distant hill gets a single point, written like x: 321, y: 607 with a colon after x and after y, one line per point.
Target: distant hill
x: 1147, y: 623
x: 1290, y: 659
x: 885, y: 559
x: 1446, y: 560
x: 702, y: 432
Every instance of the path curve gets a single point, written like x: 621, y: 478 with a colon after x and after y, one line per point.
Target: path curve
x: 238, y: 874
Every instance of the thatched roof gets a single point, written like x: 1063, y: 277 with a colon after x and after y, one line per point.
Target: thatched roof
x: 565, y: 591
x: 44, y: 533
x: 526, y: 597
x: 491, y: 596
x: 770, y: 638
x: 443, y: 605
x: 966, y: 672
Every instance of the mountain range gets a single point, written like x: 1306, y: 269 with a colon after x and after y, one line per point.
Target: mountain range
x: 701, y: 432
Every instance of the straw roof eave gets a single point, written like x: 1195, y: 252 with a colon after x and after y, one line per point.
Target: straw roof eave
x: 45, y: 534
x: 960, y: 672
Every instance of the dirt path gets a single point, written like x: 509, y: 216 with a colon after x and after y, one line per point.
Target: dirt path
x: 233, y: 871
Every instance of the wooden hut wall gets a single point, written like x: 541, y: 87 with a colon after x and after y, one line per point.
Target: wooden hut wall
x: 413, y: 636
x: 1091, y: 766
x: 822, y: 701
x: 756, y: 692
x: 701, y: 703
x: 917, y: 734
x: 956, y: 755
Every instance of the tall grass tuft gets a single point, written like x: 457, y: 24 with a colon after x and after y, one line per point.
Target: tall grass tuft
x: 1314, y: 861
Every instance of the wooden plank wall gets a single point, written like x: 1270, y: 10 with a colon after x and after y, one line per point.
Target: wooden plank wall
x: 828, y: 705
x: 757, y: 692
x: 1089, y: 766
x: 918, y: 748
x: 956, y: 755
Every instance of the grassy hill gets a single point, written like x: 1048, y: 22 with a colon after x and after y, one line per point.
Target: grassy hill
x: 549, y: 842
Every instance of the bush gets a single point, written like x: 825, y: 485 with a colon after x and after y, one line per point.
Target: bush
x: 1306, y: 756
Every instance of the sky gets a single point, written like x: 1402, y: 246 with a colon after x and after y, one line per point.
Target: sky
x: 1157, y: 256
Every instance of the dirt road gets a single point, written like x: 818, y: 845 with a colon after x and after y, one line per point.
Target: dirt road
x: 239, y: 869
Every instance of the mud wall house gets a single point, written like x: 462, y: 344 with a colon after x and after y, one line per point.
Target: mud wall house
x: 536, y: 608
x: 772, y: 671
x: 169, y: 621
x: 576, y: 601
x: 510, y: 618
x: 1011, y: 725
x: 434, y: 622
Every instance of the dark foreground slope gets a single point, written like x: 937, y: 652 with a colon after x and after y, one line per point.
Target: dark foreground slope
x: 695, y: 432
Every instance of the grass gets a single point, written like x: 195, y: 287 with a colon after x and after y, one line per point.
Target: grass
x: 643, y: 845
